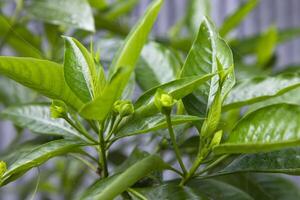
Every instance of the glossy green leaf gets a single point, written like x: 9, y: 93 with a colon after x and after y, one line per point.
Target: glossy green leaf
x: 70, y: 13
x: 152, y: 123
x: 283, y: 161
x: 38, y: 156
x: 208, y: 54
x: 113, y: 186
x: 236, y: 18
x: 37, y: 118
x: 41, y: 75
x: 260, y: 88
x: 196, y: 189
x: 264, y: 186
x: 157, y: 66
x: 129, y: 52
x: 269, y: 128
x: 79, y: 69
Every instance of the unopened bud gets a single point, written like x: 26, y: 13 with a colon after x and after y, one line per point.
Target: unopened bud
x: 58, y: 109
x: 123, y: 108
x: 163, y: 101
x: 2, y: 168
x: 216, y: 139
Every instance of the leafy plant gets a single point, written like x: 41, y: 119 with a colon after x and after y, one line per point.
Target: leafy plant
x: 216, y: 138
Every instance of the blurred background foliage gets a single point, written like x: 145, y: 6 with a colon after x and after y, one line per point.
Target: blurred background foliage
x: 262, y: 35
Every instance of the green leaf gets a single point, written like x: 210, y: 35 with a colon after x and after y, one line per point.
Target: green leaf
x: 152, y: 123
x: 157, y: 66
x: 38, y: 156
x: 112, y: 186
x: 260, y: 88
x: 37, y: 118
x: 100, y: 4
x: 120, y: 8
x: 123, y: 65
x: 20, y: 39
x: 129, y: 53
x: 283, y: 161
x: 196, y: 11
x: 267, y: 129
x: 196, y: 189
x: 266, y: 46
x: 237, y: 17
x: 79, y: 69
x: 41, y: 75
x: 264, y: 186
x: 208, y: 54
x: 178, y: 89
x: 100, y: 107
x: 70, y: 13
x: 248, y: 45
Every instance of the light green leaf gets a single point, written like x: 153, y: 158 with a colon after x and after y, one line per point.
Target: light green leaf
x: 157, y: 66
x: 120, y: 8
x: 248, y: 45
x: 100, y: 4
x: 37, y: 118
x: 20, y: 39
x: 100, y: 107
x: 237, y: 17
x: 41, y: 75
x: 128, y: 54
x: 266, y: 46
x: 260, y: 88
x: 70, y: 13
x: 123, y: 62
x: 270, y: 128
x: 111, y: 187
x: 152, y: 123
x: 38, y: 156
x: 79, y: 69
x: 196, y: 11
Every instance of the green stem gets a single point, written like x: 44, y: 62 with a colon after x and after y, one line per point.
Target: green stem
x: 136, y: 194
x: 81, y: 130
x: 112, y: 130
x: 216, y: 162
x: 102, y: 152
x: 174, y: 143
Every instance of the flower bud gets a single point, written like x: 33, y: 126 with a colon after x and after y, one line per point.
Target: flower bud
x: 123, y: 108
x: 2, y: 168
x: 216, y: 139
x: 58, y: 109
x: 163, y: 101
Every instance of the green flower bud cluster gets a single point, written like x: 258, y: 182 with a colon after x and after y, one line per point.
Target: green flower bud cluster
x: 123, y: 108
x: 163, y: 101
x: 58, y: 109
x: 2, y: 168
